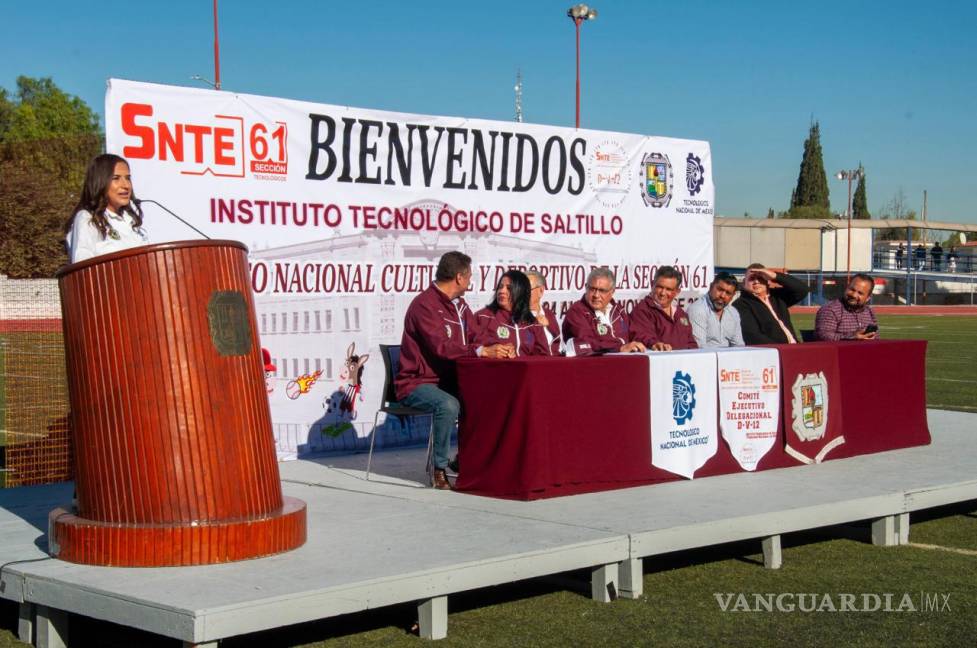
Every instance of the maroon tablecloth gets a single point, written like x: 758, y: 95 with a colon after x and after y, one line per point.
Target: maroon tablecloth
x: 543, y: 427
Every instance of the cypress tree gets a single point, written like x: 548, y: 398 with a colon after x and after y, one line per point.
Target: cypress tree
x: 859, y: 202
x: 810, y: 197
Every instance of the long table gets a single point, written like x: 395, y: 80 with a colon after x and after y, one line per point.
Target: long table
x: 542, y: 427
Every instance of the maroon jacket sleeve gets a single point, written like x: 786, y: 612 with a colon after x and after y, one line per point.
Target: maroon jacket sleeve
x: 643, y: 324
x: 690, y: 342
x: 540, y: 346
x: 579, y: 325
x: 553, y: 326
x: 573, y: 322
x: 483, y: 335
x: 429, y: 329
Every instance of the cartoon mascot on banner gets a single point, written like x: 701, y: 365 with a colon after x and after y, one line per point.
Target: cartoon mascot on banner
x: 340, y: 406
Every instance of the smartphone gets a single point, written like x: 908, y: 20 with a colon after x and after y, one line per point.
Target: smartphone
x: 872, y: 328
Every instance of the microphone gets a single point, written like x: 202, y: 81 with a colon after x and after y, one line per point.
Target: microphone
x: 140, y: 201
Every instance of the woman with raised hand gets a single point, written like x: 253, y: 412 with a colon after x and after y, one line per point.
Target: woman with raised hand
x: 106, y: 218
x: 764, y: 305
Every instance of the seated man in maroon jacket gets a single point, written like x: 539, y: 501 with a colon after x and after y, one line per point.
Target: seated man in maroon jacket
x: 439, y: 329
x: 596, y: 323
x: 508, y: 320
x: 542, y: 313
x: 658, y: 322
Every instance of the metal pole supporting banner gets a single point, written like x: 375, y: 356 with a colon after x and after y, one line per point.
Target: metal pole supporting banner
x: 576, y: 23
x: 217, y: 54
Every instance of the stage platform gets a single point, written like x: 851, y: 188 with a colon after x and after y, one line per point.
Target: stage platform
x: 390, y: 541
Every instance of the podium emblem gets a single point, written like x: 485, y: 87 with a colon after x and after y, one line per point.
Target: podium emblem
x: 227, y: 315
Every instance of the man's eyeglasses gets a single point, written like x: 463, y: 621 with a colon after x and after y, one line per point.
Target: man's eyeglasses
x: 598, y: 289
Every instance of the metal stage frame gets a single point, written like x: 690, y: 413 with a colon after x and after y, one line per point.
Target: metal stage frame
x: 388, y: 541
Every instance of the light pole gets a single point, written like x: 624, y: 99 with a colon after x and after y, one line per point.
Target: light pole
x: 217, y: 53
x: 850, y: 176
x: 578, y: 14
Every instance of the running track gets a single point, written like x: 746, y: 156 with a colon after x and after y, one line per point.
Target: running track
x: 905, y: 310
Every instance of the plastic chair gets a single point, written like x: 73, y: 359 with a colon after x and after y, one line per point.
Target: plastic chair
x: 390, y: 405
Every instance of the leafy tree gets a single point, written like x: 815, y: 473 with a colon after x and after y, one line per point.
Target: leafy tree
x: 44, y: 111
x: 859, y: 201
x: 770, y: 213
x: 808, y: 211
x: 953, y: 239
x: 47, y: 138
x: 897, y: 209
x: 810, y: 197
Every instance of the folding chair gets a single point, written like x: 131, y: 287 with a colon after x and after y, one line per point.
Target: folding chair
x: 389, y: 405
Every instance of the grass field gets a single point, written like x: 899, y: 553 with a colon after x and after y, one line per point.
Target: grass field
x: 680, y: 606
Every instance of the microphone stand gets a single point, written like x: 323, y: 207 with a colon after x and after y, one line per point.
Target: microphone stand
x: 140, y: 201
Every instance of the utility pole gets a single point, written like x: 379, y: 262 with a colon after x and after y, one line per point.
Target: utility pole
x: 925, y: 230
x: 518, y: 90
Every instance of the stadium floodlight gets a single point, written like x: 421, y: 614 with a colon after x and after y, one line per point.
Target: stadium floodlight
x: 578, y: 14
x: 850, y: 176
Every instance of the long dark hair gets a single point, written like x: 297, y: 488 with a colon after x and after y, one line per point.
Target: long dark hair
x: 519, y: 288
x: 93, y: 200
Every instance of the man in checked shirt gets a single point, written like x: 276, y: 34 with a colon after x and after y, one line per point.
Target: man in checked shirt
x: 849, y: 317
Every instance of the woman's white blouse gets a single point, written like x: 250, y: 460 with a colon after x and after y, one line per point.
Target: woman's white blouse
x: 85, y: 241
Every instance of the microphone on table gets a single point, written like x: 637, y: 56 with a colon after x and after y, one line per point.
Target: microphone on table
x: 140, y: 201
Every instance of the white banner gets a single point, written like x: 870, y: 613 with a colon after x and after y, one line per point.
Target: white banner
x: 749, y: 402
x: 346, y: 212
x: 683, y: 410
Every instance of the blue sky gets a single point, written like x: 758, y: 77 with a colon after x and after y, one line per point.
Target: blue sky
x: 893, y: 84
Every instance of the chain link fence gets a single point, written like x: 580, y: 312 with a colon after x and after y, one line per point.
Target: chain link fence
x: 35, y: 439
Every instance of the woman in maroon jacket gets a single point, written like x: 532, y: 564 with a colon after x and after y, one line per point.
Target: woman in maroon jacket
x: 508, y: 319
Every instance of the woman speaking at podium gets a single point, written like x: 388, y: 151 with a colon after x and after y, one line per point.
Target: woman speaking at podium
x: 106, y: 218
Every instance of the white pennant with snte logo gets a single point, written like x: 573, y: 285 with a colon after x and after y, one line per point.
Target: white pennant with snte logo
x: 749, y: 402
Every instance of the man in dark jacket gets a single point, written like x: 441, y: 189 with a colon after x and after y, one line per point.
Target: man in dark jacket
x: 920, y: 253
x: 763, y: 306
x: 936, y: 252
x: 439, y: 328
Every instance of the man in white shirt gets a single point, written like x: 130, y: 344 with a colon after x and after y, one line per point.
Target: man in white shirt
x: 714, y: 325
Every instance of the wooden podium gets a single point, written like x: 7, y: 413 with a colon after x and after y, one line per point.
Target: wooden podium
x: 174, y: 454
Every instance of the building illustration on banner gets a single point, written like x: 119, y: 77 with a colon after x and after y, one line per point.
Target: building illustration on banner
x: 313, y: 336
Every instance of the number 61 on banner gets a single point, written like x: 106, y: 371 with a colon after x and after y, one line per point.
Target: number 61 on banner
x: 269, y: 148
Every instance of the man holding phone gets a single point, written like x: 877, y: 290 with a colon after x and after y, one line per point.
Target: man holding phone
x: 849, y: 317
